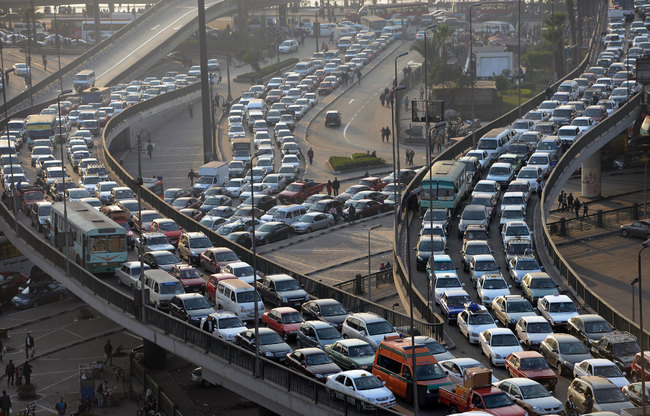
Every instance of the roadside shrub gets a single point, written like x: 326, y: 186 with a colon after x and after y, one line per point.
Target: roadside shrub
x: 265, y: 71
x: 357, y: 161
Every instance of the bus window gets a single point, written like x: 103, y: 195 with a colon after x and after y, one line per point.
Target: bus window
x: 116, y: 244
x: 97, y: 245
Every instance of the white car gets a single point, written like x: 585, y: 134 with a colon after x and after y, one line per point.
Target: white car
x: 540, y: 160
x: 488, y: 186
x: 444, y: 283
x: 226, y: 325
x: 288, y: 46
x: 514, y: 229
x: 236, y: 131
x: 242, y: 270
x: 530, y: 174
x: 235, y: 186
x: 532, y: 330
x: 603, y: 368
x: 509, y: 309
x: 516, y: 199
x: 258, y: 189
x: 367, y: 326
x: 195, y: 71
x: 291, y: 160
x: 482, y: 264
x: 531, y: 395
x: 313, y: 221
x: 457, y: 367
x: 557, y: 309
x: 520, y: 266
x: 491, y: 286
x: 583, y: 123
x: 482, y: 156
x: 511, y: 213
x: 497, y: 344
x: 501, y: 173
x: 474, y: 320
x: 473, y: 248
x: 360, y: 384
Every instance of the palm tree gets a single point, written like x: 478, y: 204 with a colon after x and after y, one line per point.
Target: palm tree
x: 442, y: 34
x: 553, y: 35
x: 571, y: 15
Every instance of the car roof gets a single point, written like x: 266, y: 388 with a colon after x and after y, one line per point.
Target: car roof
x: 596, y: 381
x: 284, y: 309
x: 367, y: 316
x: 520, y: 381
x: 483, y: 257
x: 318, y: 324
x: 456, y: 292
x: 557, y: 298
x: 534, y: 319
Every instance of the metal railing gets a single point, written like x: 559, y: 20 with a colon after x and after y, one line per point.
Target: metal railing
x: 165, y: 403
x: 599, y: 220
x: 359, y: 285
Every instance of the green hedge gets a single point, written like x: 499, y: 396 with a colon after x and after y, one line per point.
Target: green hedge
x: 266, y: 71
x: 358, y: 160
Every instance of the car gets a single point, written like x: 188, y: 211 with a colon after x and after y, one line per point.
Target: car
x: 508, y: 309
x: 428, y: 246
x: 532, y: 330
x: 636, y: 372
x: 332, y: 118
x: 452, y: 302
x: 533, y: 366
x: 603, y: 368
x: 189, y: 277
x: 518, y: 247
x: 191, y: 245
x: 270, y: 343
x: 639, y: 229
x: 359, y: 384
x: 497, y: 344
x: 226, y: 325
x: 485, y: 199
x: 531, y: 174
x: 272, y: 231
x: 473, y: 215
x: 596, y: 394
x: 490, y: 286
x: 620, y: 348
x: 328, y: 310
x: 168, y: 227
x: 457, y: 368
x: 472, y: 248
x: 285, y: 321
x: 531, y: 396
x: 633, y: 393
x: 288, y: 46
x: 536, y: 285
x: 37, y: 294
x: 128, y: 274
x: 160, y: 260
x: 213, y: 259
x: 282, y: 290
x: 313, y: 363
x: 190, y: 307
x: 39, y: 214
x: 142, y: 220
x: 514, y: 229
x: 153, y: 241
x: 317, y: 334
x: 242, y: 270
x: 563, y: 351
x: 215, y: 201
x: 313, y: 221
x: 557, y: 309
x: 443, y: 283
x: 500, y: 172
x: 351, y: 354
x: 367, y: 326
x: 482, y: 264
x: 473, y: 321
x: 475, y: 233
x: 589, y: 327
x: 520, y: 266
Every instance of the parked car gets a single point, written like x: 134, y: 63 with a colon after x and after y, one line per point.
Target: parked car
x: 39, y: 294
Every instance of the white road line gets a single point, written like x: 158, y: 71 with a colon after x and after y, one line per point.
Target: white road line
x: 155, y: 27
x: 345, y: 130
x: 350, y: 102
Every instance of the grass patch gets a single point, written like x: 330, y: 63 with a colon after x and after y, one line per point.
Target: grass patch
x: 265, y: 71
x: 358, y: 160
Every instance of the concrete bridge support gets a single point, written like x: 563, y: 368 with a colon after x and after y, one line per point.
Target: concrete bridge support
x: 591, y: 176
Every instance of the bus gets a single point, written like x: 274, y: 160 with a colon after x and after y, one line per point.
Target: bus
x: 444, y: 186
x: 106, y: 27
x: 40, y: 126
x: 374, y: 23
x: 95, y: 95
x: 78, y: 27
x: 387, y: 11
x: 98, y: 243
x: 242, y: 149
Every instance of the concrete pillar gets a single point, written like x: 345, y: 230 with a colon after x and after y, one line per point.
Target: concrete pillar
x: 154, y: 356
x: 282, y: 14
x: 591, y: 177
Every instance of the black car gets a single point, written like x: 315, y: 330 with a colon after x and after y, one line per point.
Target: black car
x: 620, y: 348
x: 263, y: 202
x: 633, y: 393
x: 57, y: 189
x: 332, y: 119
x: 282, y: 290
x: 271, y: 344
x: 190, y: 307
x: 243, y: 238
x: 589, y: 327
x: 272, y: 231
x: 547, y: 128
x: 38, y: 294
x: 328, y: 310
x: 521, y: 149
x: 325, y: 206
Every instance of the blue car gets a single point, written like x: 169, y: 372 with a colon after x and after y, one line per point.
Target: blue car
x: 452, y: 303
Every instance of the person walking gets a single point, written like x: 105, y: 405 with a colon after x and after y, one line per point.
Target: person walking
x: 207, y: 324
x: 310, y: 155
x: 576, y: 207
x: 44, y: 63
x: 191, y: 175
x: 585, y: 209
x: 108, y: 350
x: 540, y: 188
x: 5, y: 403
x: 29, y: 345
x: 100, y: 393
x: 335, y: 186
x: 383, y: 133
x: 382, y: 99
x: 359, y: 77
x: 569, y: 202
x: 329, y: 187
x: 352, y: 212
x: 421, y: 93
x: 10, y: 372
x: 149, y: 148
x: 61, y: 406
x: 27, y: 372
x: 387, y: 130
x: 190, y: 108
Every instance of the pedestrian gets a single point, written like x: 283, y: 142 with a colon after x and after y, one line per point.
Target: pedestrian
x: 10, y: 372
x: 335, y: 186
x: 207, y: 324
x: 382, y: 267
x: 576, y: 206
x: 421, y: 93
x: 5, y: 403
x: 2, y: 350
x: 383, y: 133
x: 149, y: 148
x: 329, y: 187
x: 406, y: 103
x: 29, y: 345
x: 563, y: 202
x: 585, y: 209
x: 108, y: 350
x: 27, y: 372
x: 100, y: 394
x: 191, y: 175
x: 569, y: 202
x: 44, y: 62
x: 387, y: 130
x: 190, y: 108
x: 61, y: 406
x: 382, y: 99
x: 310, y: 156
x: 334, y: 212
x: 359, y: 77
x: 548, y: 92
x: 7, y: 78
x: 352, y: 212
x: 540, y: 187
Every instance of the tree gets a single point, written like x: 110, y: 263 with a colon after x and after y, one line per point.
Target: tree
x: 572, y: 25
x: 553, y: 35
x: 442, y: 34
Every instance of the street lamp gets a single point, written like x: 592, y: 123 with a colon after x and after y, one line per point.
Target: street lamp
x: 254, y: 249
x: 416, y: 407
x: 58, y: 46
x: 519, y: 55
x: 427, y: 125
x: 65, y: 204
x: 645, y: 245
x: 4, y: 76
x: 471, y: 66
x: 143, y: 132
x: 632, y: 283
x: 374, y: 227
x: 395, y: 144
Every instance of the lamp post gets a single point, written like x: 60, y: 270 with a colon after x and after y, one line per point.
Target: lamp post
x: 143, y: 132
x: 58, y: 47
x: 229, y: 98
x: 427, y: 126
x: 374, y: 227
x: 632, y: 283
x: 645, y: 245
x: 519, y: 56
x: 254, y: 249
x: 416, y: 407
x: 3, y: 74
x: 65, y: 204
x: 471, y: 66
x: 395, y: 145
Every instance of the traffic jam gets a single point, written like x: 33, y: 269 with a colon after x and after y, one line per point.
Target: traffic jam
x: 475, y: 217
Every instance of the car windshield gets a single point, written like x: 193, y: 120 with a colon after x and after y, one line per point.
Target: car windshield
x: 333, y: 310
x: 539, y: 328
x: 517, y: 230
x: 246, y: 297
x: 201, y: 242
x: 328, y: 333
x: 361, y: 351
x: 292, y: 318
x: 368, y: 383
x: 480, y: 319
x: 494, y: 284
x: 230, y: 322
x: 609, y: 395
x: 318, y: 359
x: 528, y: 173
x: 480, y: 200
x: 519, y: 306
x: 227, y: 256
x: 476, y: 235
x: 270, y: 338
x: 534, y: 391
x: 266, y: 228
x: 448, y: 282
x: 518, y: 248
x: 44, y: 211
x: 538, y: 160
x: 171, y: 288
x: 487, y: 144
x: 424, y: 372
x: 379, y: 328
x: 473, y: 214
x: 243, y: 271
x: 626, y: 348
x: 438, y: 245
x: 474, y: 249
x: 527, y: 265
x: 607, y: 371
x: 493, y: 401
x: 436, y: 215
x: 485, y: 266
x: 556, y: 307
x: 457, y: 301
x: 598, y: 327
x: 498, y: 170
x: 536, y: 363
x: 198, y: 302
x: 189, y: 273
x: 284, y: 285
x: 573, y: 348
x: 444, y: 265
x: 511, y: 214
x: 504, y: 340
x: 513, y: 200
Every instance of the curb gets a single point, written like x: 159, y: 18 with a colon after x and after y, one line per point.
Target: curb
x: 586, y: 238
x: 343, y: 263
x: 13, y: 328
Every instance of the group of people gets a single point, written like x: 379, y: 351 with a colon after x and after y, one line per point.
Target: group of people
x: 409, y: 155
x: 386, y: 98
x: 15, y: 374
x: 567, y: 203
x: 385, y: 134
x: 333, y: 186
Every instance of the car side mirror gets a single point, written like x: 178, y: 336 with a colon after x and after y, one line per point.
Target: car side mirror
x: 509, y: 286
x: 362, y: 332
x: 517, y: 395
x: 462, y: 284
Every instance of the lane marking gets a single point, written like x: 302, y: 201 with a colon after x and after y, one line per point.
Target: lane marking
x: 350, y: 102
x: 155, y: 27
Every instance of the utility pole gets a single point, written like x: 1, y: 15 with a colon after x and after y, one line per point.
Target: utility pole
x: 205, y: 86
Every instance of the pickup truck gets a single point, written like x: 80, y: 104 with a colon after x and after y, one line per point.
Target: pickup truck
x: 487, y: 398
x: 299, y: 191
x: 29, y: 195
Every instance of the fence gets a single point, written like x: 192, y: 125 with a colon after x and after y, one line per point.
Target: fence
x: 599, y: 220
x: 165, y: 404
x: 359, y: 284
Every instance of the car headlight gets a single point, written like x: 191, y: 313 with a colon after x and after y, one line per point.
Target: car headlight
x: 268, y: 354
x: 486, y: 298
x: 420, y: 258
x: 537, y: 408
x: 284, y: 300
x: 319, y: 375
x: 513, y: 321
x: 307, y: 297
x: 474, y: 334
x: 497, y: 355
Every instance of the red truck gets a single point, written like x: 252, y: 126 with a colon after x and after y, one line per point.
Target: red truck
x: 299, y: 191
x: 29, y: 195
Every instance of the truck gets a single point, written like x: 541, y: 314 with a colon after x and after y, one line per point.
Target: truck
x: 299, y: 191
x: 477, y: 393
x: 492, y: 61
x: 211, y: 174
x: 29, y: 195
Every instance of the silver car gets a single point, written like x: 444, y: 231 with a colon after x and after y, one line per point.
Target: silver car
x: 313, y: 221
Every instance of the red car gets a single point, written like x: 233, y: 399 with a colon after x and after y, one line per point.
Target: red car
x: 213, y: 281
x: 325, y: 88
x: 636, y: 366
x: 189, y: 277
x: 168, y: 227
x: 284, y: 320
x: 274, y: 96
x: 213, y: 259
x: 597, y: 113
x: 532, y: 365
x: 374, y: 183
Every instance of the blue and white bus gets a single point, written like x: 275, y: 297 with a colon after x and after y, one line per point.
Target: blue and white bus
x: 444, y: 186
x: 98, y: 243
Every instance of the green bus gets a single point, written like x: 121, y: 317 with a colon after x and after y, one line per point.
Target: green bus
x: 444, y: 186
x: 95, y: 242
x: 40, y: 126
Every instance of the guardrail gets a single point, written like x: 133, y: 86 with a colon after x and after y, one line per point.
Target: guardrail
x: 420, y: 302
x: 598, y: 220
x: 359, y: 284
x: 164, y: 402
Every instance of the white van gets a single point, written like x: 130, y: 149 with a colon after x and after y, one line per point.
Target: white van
x: 84, y: 79
x: 331, y: 54
x: 344, y: 42
x: 496, y: 141
x: 341, y: 31
x: 256, y: 104
x: 393, y: 32
x: 326, y: 29
x: 304, y: 68
x: 289, y: 214
x: 162, y: 287
x: 237, y: 296
x: 571, y: 87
